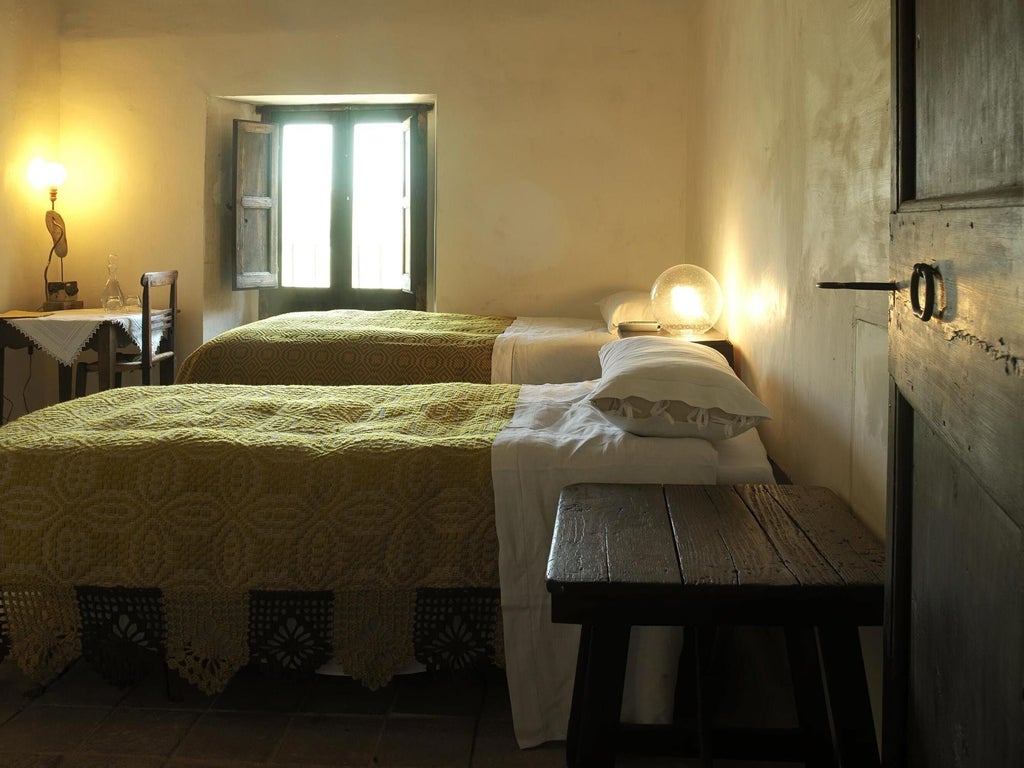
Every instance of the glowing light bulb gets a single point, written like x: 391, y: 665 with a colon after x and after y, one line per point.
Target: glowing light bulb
x: 687, y: 300
x: 44, y: 175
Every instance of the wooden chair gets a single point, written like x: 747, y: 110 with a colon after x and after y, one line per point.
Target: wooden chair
x: 154, y: 322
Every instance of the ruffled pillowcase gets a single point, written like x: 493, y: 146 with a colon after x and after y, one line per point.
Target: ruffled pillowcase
x: 624, y: 307
x: 658, y: 386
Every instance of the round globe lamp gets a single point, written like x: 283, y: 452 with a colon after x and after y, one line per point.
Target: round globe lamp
x: 686, y: 300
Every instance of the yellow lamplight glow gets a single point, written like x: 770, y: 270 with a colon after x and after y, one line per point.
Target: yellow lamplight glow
x: 686, y: 300
x: 44, y: 175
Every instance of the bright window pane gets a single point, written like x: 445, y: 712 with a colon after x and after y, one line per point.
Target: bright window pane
x: 378, y: 210
x: 306, y: 205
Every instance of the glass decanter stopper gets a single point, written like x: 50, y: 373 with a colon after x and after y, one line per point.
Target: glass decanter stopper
x: 112, y: 299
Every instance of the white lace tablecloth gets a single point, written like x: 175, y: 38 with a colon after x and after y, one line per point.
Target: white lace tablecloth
x: 64, y: 334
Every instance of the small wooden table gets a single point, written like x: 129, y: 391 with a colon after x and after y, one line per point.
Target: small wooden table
x: 108, y: 335
x: 702, y: 556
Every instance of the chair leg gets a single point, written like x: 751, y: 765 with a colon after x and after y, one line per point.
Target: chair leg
x: 81, y: 378
x: 64, y: 383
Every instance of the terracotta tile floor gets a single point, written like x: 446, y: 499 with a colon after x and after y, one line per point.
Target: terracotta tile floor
x: 79, y: 721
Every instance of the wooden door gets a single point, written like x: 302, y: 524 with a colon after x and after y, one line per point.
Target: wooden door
x: 954, y: 691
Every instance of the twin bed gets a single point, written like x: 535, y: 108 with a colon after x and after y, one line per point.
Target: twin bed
x: 348, y: 346
x: 214, y: 525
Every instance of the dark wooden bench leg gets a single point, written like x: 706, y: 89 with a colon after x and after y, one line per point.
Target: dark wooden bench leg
x: 684, y: 706
x: 597, y: 696
x: 848, y: 696
x: 809, y: 693
x: 704, y: 641
x: 572, y: 736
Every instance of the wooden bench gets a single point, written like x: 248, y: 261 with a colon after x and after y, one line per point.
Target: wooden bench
x: 704, y: 556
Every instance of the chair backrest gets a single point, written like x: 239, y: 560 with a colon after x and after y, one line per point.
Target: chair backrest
x: 160, y: 322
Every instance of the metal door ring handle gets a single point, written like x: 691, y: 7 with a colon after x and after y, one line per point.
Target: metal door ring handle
x: 928, y: 272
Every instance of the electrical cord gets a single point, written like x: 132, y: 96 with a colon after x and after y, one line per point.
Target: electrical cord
x: 46, y: 270
x: 8, y: 402
x: 4, y: 418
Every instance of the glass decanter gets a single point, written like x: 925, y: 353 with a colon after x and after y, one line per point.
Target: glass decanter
x: 112, y: 299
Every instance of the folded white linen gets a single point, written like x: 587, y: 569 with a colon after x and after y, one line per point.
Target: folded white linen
x: 743, y: 459
x: 555, y: 439
x: 548, y: 350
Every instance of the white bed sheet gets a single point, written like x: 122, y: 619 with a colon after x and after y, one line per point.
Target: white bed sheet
x: 555, y: 439
x: 549, y: 350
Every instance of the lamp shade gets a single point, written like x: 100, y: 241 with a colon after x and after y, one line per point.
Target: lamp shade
x: 686, y: 300
x: 43, y: 175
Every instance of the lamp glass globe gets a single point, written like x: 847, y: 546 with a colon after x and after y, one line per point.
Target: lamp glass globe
x: 686, y: 300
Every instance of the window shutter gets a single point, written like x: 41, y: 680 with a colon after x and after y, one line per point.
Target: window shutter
x: 416, y: 206
x: 257, y: 205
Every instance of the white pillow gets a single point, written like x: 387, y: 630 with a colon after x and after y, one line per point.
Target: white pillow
x: 625, y: 306
x: 660, y: 386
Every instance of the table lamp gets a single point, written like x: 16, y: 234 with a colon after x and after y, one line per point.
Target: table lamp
x: 59, y: 294
x: 686, y: 300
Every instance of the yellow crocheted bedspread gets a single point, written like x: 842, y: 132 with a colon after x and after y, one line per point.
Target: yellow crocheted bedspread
x: 208, y: 493
x: 348, y: 346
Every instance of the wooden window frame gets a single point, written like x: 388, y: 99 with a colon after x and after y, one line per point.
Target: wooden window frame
x: 257, y: 259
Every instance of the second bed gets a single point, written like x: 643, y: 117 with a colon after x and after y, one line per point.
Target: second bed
x: 349, y: 346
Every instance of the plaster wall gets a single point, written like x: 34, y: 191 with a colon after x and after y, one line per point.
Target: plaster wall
x: 794, y: 173
x: 560, y: 132
x: 29, y: 128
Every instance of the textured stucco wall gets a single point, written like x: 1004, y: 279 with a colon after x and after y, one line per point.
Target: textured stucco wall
x: 29, y: 128
x: 560, y: 137
x: 793, y: 173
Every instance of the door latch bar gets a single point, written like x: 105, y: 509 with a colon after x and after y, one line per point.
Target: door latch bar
x: 890, y: 286
x: 922, y: 309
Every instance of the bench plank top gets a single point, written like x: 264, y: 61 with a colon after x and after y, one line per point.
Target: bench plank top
x: 706, y: 556
x: 652, y: 548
